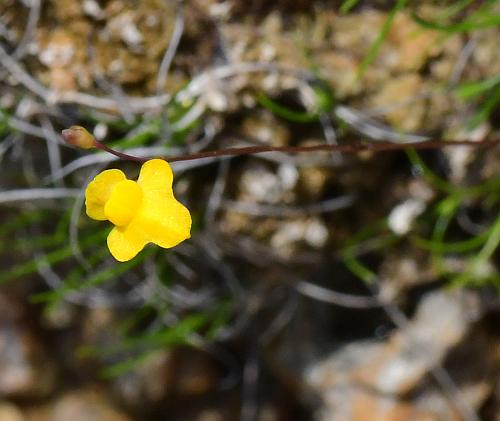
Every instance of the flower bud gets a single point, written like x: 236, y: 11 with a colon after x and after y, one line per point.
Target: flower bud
x: 79, y: 137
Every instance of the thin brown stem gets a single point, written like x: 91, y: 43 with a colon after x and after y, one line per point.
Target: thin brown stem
x: 348, y: 148
x: 120, y: 155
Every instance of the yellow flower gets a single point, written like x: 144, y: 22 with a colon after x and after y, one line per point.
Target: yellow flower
x: 143, y: 211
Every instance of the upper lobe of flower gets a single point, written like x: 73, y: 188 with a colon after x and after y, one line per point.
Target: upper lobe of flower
x: 143, y: 212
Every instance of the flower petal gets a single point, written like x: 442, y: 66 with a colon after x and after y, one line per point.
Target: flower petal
x: 166, y: 222
x: 99, y: 191
x: 162, y: 217
x: 123, y: 203
x: 156, y: 178
x: 125, y: 242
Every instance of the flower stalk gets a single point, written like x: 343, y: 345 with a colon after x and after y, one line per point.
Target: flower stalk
x: 80, y: 137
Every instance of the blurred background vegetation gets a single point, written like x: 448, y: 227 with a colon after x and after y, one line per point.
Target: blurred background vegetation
x: 315, y: 286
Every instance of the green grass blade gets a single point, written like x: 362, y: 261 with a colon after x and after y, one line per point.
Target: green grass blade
x: 358, y: 269
x: 75, y: 283
x: 438, y: 182
x: 473, y: 273
x: 492, y: 243
x: 284, y: 112
x: 115, y: 370
x: 53, y: 257
x: 484, y: 22
x: 452, y: 247
x: 472, y: 89
x: 71, y: 280
x: 455, y: 8
x: 347, y: 5
x: 349, y: 252
x: 486, y: 109
x: 375, y: 47
x: 21, y: 221
x: 162, y: 337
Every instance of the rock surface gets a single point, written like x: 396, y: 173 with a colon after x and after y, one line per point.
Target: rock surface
x: 373, y: 380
